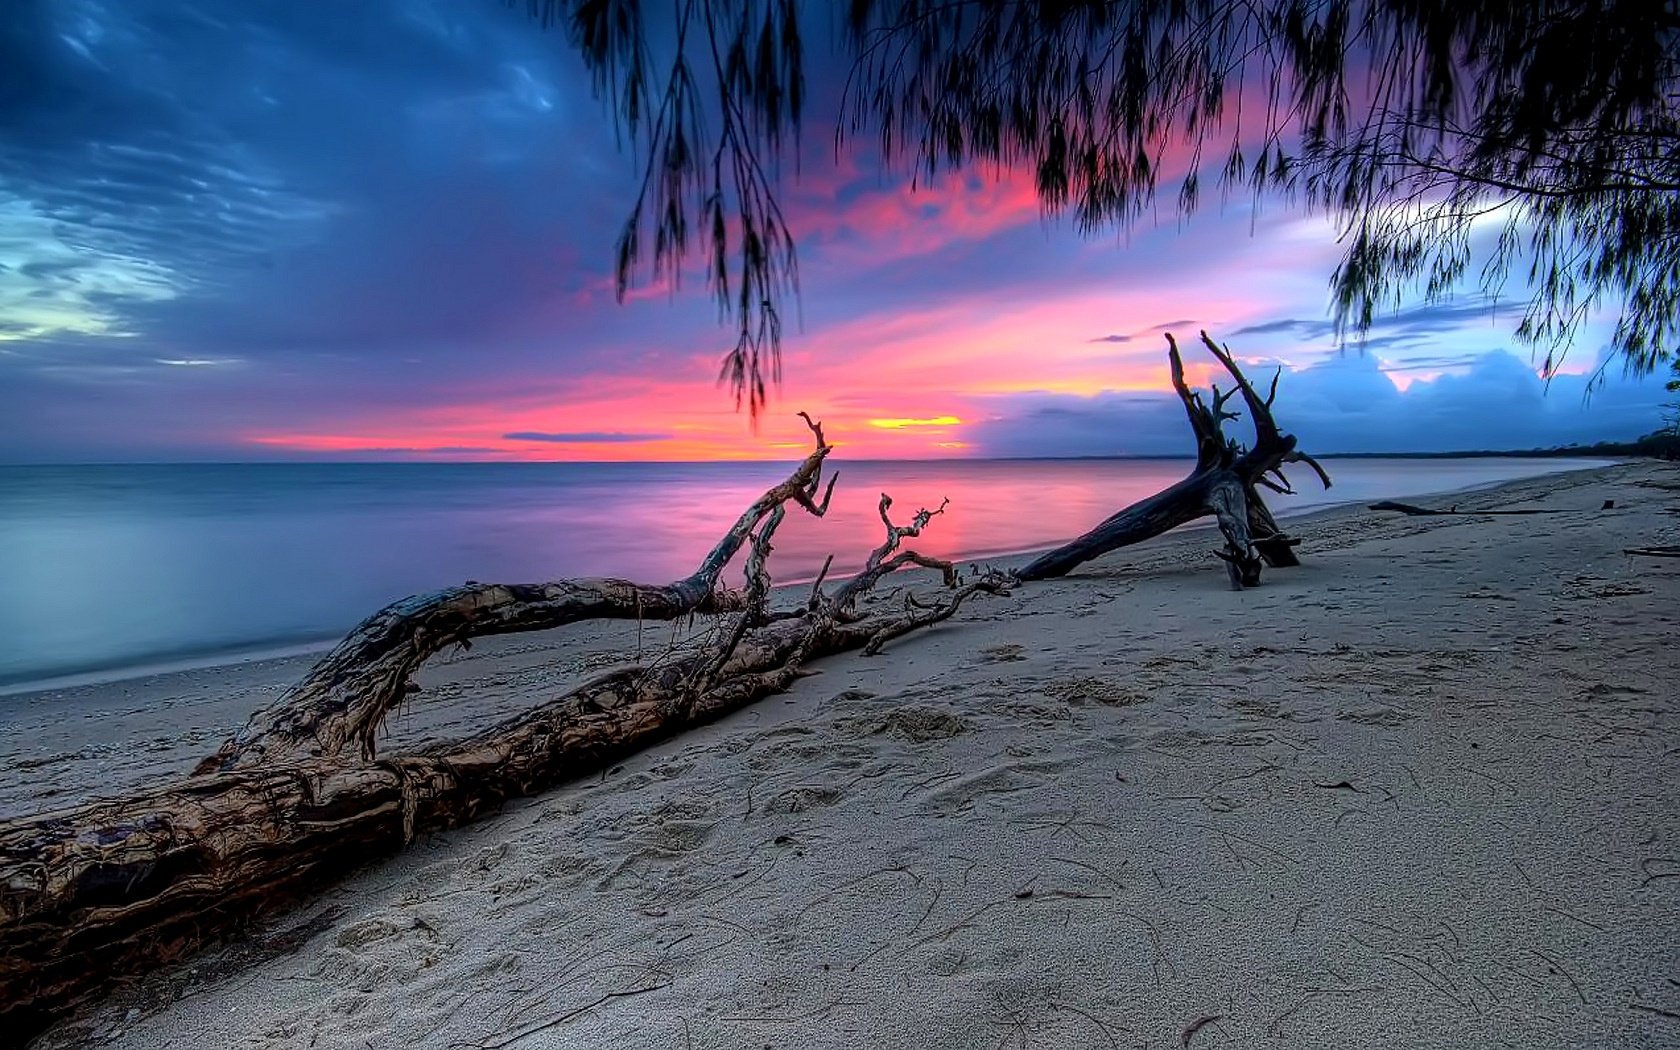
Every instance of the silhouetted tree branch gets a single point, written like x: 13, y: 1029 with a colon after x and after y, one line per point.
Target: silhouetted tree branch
x: 1550, y: 125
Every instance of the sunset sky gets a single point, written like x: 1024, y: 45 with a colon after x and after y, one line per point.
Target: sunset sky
x: 384, y: 230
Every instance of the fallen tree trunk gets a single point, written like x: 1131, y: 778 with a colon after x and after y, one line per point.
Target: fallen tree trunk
x: 1224, y: 483
x: 346, y: 697
x: 95, y: 894
x: 1416, y: 511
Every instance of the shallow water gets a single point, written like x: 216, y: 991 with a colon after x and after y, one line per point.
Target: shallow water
x: 119, y: 566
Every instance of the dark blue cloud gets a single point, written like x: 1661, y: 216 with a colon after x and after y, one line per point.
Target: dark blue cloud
x: 334, y: 206
x: 222, y: 218
x: 1286, y: 324
x: 1346, y: 404
x: 1406, y: 326
x: 271, y: 179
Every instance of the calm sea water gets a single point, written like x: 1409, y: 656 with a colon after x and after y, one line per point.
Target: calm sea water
x: 107, y: 567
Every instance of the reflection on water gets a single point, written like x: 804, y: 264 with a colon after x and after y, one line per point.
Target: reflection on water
x: 105, y: 566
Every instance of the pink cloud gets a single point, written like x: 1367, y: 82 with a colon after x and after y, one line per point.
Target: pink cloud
x: 938, y: 361
x: 882, y: 222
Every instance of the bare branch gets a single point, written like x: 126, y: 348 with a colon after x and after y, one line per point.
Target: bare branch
x: 115, y: 887
x: 1225, y: 483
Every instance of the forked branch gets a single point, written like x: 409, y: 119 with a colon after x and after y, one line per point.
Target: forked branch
x: 99, y: 892
x: 1225, y: 483
x: 346, y: 698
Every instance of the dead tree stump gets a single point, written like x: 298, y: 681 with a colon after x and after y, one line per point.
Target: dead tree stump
x: 1225, y: 483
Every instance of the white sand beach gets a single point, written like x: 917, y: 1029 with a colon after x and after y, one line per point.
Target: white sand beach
x: 1419, y: 792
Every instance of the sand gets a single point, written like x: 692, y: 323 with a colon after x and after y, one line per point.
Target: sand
x: 1419, y: 792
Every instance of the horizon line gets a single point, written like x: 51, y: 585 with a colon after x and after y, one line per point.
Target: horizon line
x: 1546, y: 451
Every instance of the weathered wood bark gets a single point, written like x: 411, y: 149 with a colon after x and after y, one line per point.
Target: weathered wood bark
x: 348, y: 695
x: 1224, y: 483
x: 104, y: 891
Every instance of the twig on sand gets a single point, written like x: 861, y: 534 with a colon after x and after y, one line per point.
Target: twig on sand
x: 1300, y: 913
x: 967, y: 920
x: 1427, y: 512
x: 1195, y: 1026
x: 1558, y: 967
x: 1493, y: 779
x: 1309, y: 994
x: 897, y: 869
x: 1160, y: 956
x: 739, y: 886
x: 1017, y: 1025
x: 561, y: 1019
x: 933, y: 902
x: 1108, y: 1033
x: 1421, y: 970
x: 1653, y: 876
x: 815, y: 1014
x: 1093, y: 869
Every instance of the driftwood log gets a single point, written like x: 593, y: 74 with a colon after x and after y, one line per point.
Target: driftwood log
x: 1415, y: 511
x: 102, y: 892
x: 300, y: 796
x: 1225, y: 483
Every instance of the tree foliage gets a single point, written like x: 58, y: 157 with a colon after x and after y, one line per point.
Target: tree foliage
x: 706, y: 90
x: 1671, y: 410
x: 1538, y: 136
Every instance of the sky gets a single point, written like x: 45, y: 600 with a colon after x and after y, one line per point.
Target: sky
x: 302, y: 229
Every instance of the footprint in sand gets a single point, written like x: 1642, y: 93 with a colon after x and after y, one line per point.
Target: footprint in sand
x: 652, y: 845
x: 955, y: 796
x: 382, y: 950
x: 1105, y: 692
x: 804, y: 797
x: 914, y: 723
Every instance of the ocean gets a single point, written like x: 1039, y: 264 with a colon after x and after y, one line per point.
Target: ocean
x: 124, y: 568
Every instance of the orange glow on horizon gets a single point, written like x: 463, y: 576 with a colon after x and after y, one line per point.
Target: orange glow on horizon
x: 869, y: 401
x: 869, y: 378
x: 900, y: 424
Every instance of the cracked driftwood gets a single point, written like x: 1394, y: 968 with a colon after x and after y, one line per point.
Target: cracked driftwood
x: 299, y: 797
x: 1225, y: 483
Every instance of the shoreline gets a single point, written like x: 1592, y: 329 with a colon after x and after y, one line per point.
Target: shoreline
x: 189, y: 661
x: 1419, y: 786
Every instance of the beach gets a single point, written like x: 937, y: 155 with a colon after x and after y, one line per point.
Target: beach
x: 162, y: 566
x: 1417, y: 792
